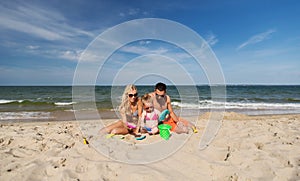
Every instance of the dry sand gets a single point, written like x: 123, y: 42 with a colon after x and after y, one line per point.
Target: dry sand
x: 245, y: 148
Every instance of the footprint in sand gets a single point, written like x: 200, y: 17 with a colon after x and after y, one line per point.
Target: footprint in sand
x: 259, y: 145
x: 6, y: 141
x: 81, y: 168
x: 21, y: 152
x: 59, y: 163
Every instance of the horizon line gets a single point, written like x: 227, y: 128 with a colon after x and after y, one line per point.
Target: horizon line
x: 229, y: 84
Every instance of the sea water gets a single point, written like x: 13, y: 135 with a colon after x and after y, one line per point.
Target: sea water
x: 40, y: 102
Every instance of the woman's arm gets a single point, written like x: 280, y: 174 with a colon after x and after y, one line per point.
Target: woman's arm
x: 123, y: 117
x: 140, y: 107
x: 140, y: 111
x: 142, y: 118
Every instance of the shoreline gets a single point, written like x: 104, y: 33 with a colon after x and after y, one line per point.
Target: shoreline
x: 68, y: 115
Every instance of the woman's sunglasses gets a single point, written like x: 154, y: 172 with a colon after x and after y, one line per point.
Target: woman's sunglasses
x: 131, y: 95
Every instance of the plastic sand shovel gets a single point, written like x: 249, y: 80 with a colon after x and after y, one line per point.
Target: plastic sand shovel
x: 163, y: 115
x: 140, y: 137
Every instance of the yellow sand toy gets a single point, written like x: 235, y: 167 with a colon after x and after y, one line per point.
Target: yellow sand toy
x: 85, y: 141
x: 195, y: 129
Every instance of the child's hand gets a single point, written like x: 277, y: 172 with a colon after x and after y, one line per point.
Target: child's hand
x: 136, y: 132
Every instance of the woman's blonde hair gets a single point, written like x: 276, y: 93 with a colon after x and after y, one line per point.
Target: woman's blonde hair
x: 124, y: 106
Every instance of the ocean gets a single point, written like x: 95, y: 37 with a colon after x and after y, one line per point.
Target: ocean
x: 19, y: 103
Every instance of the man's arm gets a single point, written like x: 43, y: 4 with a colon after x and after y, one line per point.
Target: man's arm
x: 169, y: 106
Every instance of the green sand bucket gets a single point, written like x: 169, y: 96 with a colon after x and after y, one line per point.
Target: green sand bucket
x: 164, y: 131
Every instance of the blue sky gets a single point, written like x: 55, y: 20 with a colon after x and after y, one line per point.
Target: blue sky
x: 256, y: 42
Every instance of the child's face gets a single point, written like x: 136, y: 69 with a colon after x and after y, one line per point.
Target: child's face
x: 148, y: 107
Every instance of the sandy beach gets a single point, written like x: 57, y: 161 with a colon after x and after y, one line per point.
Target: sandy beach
x: 245, y: 148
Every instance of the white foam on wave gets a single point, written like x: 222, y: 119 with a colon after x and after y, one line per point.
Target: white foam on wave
x: 239, y: 105
x: 3, y: 101
x: 64, y: 103
x: 24, y: 115
x: 185, y: 105
x: 209, y: 104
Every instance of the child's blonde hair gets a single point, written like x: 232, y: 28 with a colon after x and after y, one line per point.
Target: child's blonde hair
x: 146, y: 98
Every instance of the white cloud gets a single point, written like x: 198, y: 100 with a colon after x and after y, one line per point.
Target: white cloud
x: 70, y: 55
x: 211, y: 39
x: 38, y: 22
x: 32, y: 47
x: 134, y: 12
x: 73, y: 55
x: 33, y: 30
x: 144, y: 42
x: 257, y: 38
x: 141, y: 50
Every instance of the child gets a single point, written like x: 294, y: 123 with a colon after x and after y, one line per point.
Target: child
x: 149, y: 116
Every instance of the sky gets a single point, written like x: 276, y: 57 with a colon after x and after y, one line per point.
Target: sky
x: 254, y: 41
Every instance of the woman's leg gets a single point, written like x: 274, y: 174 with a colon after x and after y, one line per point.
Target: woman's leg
x: 119, y: 130
x: 109, y: 128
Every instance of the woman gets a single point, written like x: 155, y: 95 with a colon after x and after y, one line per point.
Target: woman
x: 130, y: 110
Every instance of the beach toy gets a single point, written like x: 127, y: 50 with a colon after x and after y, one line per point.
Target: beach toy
x: 114, y: 135
x: 164, y: 131
x: 140, y: 137
x: 110, y: 135
x: 148, y: 129
x: 163, y: 115
x: 85, y: 141
x: 121, y: 137
x: 195, y: 129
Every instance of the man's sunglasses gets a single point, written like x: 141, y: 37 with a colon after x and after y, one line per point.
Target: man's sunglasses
x: 160, y: 95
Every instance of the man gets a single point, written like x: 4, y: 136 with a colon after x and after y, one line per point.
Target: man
x: 161, y: 102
